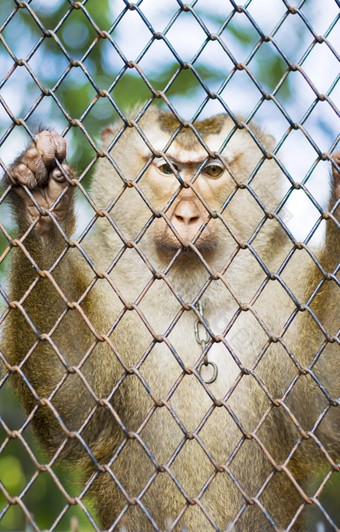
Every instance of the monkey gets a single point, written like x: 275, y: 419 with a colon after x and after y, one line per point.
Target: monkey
x: 183, y: 351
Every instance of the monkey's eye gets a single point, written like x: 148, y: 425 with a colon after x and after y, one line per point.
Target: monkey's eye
x: 165, y: 168
x: 214, y: 170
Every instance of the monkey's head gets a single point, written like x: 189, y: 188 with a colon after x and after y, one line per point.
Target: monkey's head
x: 187, y: 183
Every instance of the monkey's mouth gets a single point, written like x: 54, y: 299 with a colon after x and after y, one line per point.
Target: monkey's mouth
x: 202, y: 245
x: 189, y: 241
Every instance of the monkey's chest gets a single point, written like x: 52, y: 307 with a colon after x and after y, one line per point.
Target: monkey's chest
x: 180, y: 362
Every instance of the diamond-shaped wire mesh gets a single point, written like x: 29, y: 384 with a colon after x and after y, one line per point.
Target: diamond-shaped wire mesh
x: 187, y: 386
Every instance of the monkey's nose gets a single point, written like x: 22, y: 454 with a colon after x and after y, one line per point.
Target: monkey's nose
x: 186, y: 213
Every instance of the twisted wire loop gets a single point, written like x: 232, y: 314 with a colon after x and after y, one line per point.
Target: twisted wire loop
x: 33, y: 489
x: 203, y: 343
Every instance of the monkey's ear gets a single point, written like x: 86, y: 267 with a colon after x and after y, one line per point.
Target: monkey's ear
x: 269, y: 142
x: 107, y: 135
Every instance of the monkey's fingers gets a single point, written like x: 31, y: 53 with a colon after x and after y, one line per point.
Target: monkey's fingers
x: 50, y: 146
x: 47, y: 194
x: 33, y: 166
x: 336, y: 173
x: 60, y: 175
x: 336, y: 158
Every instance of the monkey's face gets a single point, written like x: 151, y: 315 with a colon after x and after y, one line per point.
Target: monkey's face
x: 185, y: 198
x: 187, y: 187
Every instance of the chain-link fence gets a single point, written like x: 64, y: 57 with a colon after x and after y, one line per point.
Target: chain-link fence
x: 174, y: 338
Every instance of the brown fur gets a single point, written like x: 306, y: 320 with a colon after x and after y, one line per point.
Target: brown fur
x: 119, y: 388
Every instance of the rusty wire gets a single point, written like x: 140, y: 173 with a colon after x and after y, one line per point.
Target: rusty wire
x: 8, y: 435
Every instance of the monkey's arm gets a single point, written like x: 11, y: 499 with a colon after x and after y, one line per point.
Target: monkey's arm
x: 329, y: 298
x: 319, y: 332
x: 38, y: 182
x: 326, y: 304
x: 42, y: 204
x: 327, y: 309
x: 330, y: 256
x: 44, y: 336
